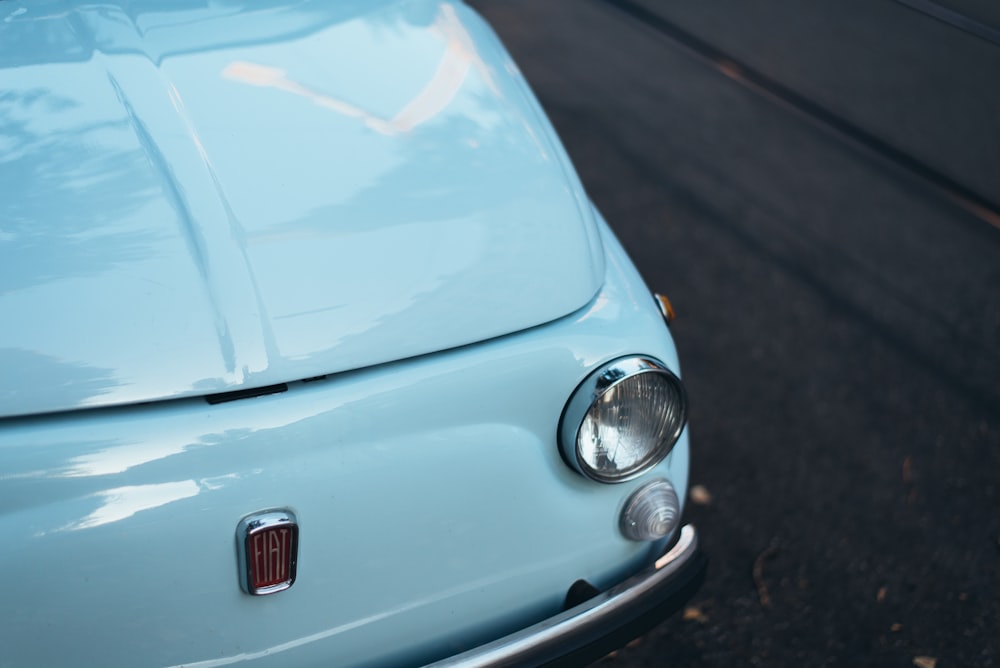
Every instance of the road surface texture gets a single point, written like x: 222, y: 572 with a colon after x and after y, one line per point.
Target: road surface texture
x: 816, y: 186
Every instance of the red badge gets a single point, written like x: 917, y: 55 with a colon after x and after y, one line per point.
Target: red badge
x: 268, y: 544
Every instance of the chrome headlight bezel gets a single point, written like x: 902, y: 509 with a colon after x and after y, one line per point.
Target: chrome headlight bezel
x: 591, y: 390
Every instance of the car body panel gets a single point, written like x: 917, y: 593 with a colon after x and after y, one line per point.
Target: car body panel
x: 435, y: 511
x: 200, y: 197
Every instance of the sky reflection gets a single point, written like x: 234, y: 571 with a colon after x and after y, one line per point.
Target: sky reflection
x: 124, y: 502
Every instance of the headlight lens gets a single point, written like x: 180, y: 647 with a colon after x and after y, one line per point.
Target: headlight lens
x: 623, y: 419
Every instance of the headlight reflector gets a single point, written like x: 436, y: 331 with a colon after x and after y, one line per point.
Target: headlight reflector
x: 623, y: 419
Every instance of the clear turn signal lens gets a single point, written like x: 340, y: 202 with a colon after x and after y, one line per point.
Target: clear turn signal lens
x: 623, y: 420
x: 651, y: 513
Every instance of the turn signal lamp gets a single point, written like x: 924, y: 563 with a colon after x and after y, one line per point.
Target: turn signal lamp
x: 651, y: 513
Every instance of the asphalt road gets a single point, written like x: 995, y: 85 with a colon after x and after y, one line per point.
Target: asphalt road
x: 815, y: 186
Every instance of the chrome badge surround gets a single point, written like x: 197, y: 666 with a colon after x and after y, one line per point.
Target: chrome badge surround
x: 268, y: 544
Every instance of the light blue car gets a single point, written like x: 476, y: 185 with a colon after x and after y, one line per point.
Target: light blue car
x: 313, y: 351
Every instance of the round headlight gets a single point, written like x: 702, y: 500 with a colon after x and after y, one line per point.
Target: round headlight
x: 623, y: 419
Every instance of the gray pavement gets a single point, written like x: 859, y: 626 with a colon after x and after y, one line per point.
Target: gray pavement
x: 838, y: 312
x: 917, y: 83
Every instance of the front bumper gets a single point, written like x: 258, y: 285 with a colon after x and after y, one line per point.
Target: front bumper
x: 605, y: 621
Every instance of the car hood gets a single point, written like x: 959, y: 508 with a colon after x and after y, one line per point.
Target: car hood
x: 209, y: 198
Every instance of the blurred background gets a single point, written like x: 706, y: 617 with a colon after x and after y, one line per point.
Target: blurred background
x: 816, y: 187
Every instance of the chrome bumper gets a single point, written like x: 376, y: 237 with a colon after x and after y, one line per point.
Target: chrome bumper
x: 602, y: 623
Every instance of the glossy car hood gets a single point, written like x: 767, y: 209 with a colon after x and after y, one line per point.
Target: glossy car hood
x: 212, y: 197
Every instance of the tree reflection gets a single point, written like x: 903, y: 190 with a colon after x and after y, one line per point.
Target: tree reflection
x: 63, y: 193
x: 30, y: 380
